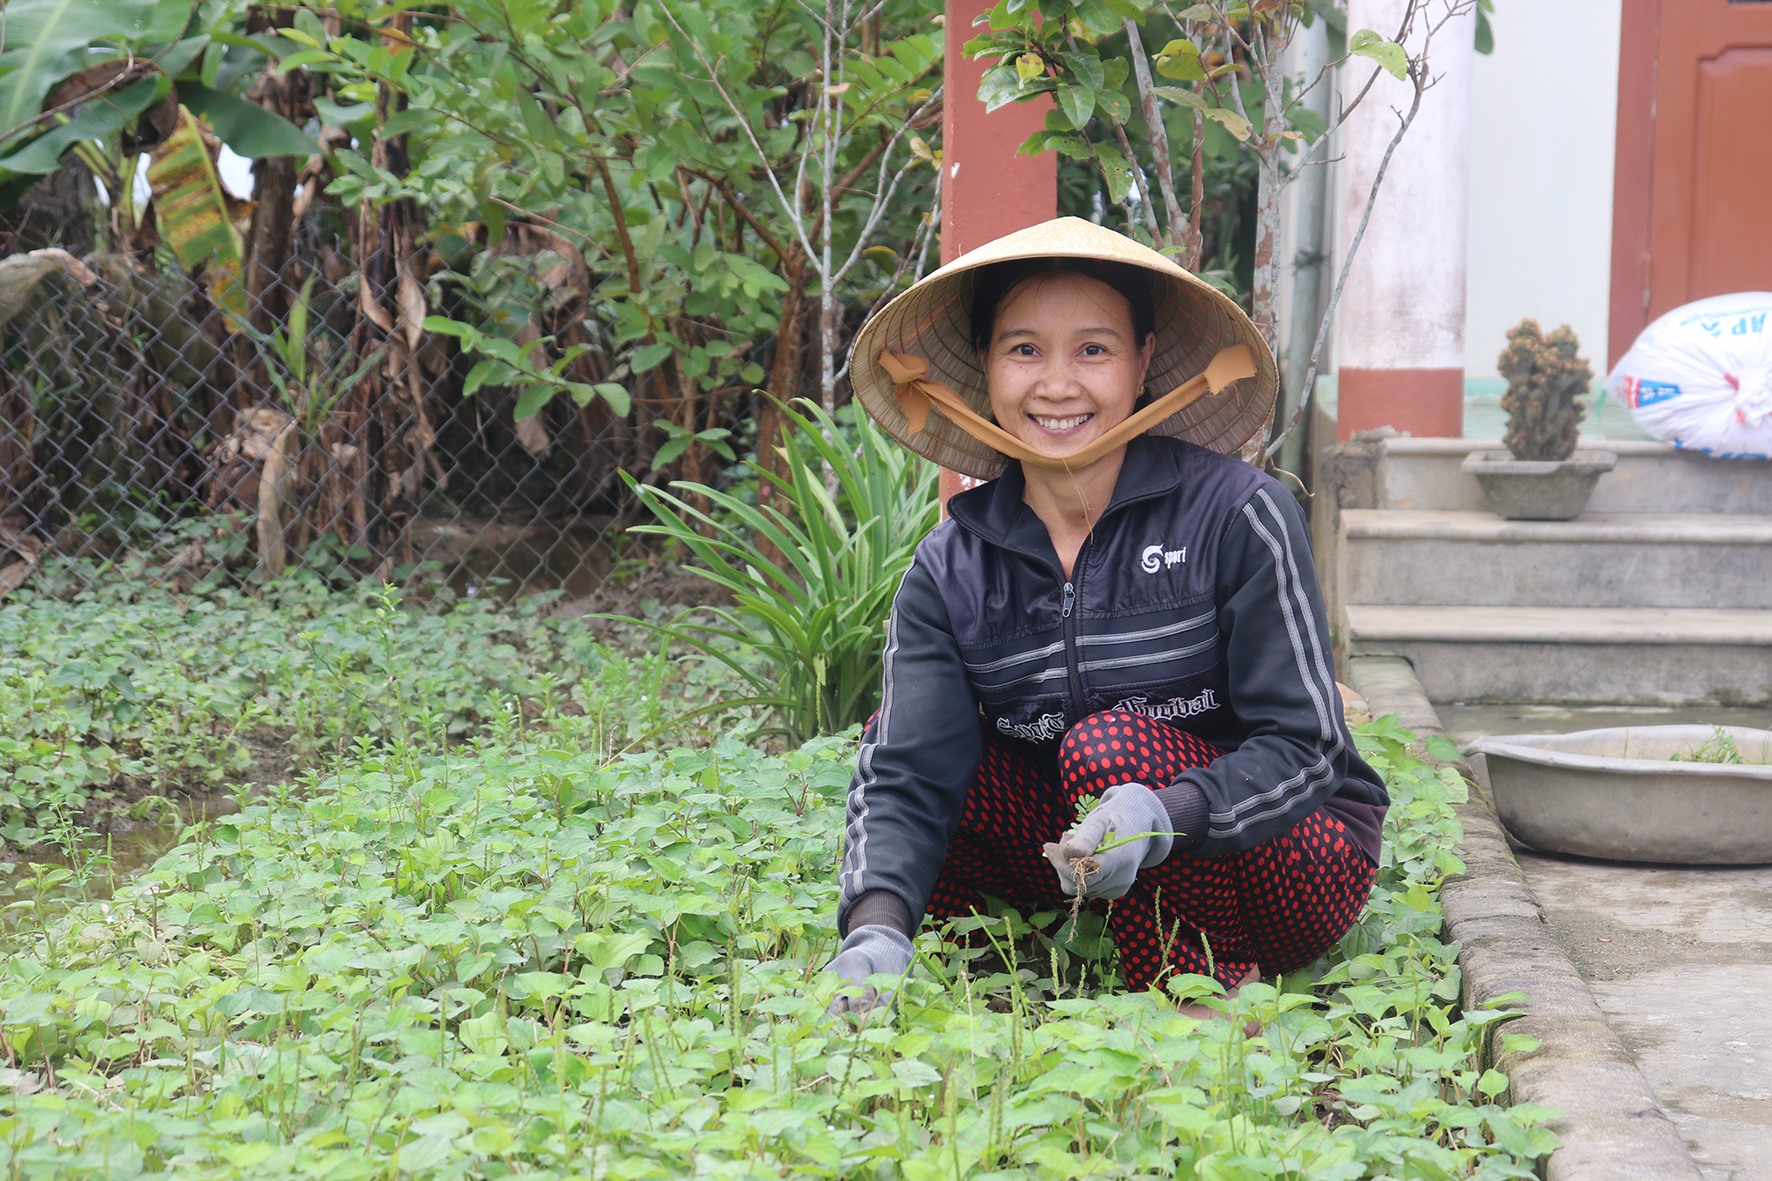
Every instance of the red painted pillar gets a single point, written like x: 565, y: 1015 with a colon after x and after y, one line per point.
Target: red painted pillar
x: 986, y: 189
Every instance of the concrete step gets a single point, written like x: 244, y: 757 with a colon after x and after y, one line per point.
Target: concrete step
x: 1474, y: 558
x: 1620, y: 655
x: 1649, y: 478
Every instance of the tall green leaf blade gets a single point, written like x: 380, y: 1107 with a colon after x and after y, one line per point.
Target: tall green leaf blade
x: 777, y: 529
x: 727, y: 563
x: 812, y: 504
x: 812, y: 573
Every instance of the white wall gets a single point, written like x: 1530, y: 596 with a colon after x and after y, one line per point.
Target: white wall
x: 1405, y: 302
x: 1543, y: 119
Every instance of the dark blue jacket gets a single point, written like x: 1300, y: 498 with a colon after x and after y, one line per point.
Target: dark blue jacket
x: 1195, y: 600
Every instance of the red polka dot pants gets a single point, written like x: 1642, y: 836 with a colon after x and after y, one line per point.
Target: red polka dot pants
x: 1275, y: 907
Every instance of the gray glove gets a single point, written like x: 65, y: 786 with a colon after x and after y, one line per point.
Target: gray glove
x: 1125, y: 810
x: 867, y: 951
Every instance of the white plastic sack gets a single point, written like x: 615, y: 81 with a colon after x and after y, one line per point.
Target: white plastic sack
x: 1700, y: 377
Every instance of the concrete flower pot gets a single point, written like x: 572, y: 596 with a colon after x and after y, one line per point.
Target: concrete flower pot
x: 1538, y: 489
x: 1619, y: 793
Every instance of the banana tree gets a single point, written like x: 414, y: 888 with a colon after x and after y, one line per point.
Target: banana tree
x: 116, y: 80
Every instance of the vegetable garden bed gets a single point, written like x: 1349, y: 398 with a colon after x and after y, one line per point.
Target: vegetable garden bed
x: 514, y: 954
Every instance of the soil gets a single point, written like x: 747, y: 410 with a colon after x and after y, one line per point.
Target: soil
x: 122, y: 810
x: 657, y: 582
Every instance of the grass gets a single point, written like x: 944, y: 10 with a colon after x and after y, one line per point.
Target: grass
x: 472, y: 940
x: 1718, y: 748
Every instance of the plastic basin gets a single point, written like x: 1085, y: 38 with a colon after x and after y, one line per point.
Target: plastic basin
x: 1621, y: 794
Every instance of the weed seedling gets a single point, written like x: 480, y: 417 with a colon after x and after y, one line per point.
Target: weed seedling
x: 1718, y: 748
x: 1088, y: 865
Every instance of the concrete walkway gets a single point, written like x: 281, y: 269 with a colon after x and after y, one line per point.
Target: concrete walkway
x: 1623, y: 1118
x: 1679, y: 959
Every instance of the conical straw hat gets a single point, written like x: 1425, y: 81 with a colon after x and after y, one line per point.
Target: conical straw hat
x: 933, y: 320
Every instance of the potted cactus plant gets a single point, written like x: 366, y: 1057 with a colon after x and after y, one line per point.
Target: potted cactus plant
x: 1541, y: 476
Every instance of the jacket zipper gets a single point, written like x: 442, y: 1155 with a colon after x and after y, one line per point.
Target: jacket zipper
x: 1068, y: 613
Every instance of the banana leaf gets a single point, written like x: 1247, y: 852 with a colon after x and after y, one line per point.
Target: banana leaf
x: 98, y: 117
x: 246, y: 127
x: 193, y: 215
x: 48, y: 40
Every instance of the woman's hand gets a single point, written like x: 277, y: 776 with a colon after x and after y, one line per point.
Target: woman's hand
x: 868, y: 950
x: 1129, y: 830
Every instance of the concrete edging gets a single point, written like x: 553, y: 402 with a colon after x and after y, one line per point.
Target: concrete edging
x: 1612, y: 1128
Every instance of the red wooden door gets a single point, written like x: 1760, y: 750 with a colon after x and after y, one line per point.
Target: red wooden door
x: 1692, y: 197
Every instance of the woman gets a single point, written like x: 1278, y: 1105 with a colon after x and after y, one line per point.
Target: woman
x: 1121, y: 616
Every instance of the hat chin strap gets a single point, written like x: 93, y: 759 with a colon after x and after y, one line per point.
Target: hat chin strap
x: 917, y: 394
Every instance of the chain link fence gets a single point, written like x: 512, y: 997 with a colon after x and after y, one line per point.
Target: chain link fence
x: 145, y: 431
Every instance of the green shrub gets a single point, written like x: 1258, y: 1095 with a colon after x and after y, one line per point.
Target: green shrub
x: 811, y: 568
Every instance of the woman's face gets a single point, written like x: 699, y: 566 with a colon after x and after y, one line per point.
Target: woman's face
x: 1062, y: 365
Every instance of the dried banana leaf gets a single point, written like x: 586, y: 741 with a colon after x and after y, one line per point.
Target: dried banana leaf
x: 193, y: 215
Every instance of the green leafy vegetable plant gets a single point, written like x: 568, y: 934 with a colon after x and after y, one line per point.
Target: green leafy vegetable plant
x: 515, y: 958
x: 128, y: 690
x: 460, y: 938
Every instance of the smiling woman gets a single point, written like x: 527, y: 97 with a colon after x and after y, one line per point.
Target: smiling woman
x: 1107, y: 676
x: 1064, y: 365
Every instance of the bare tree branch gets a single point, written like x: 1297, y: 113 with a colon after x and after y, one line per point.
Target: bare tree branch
x: 1153, y: 124
x: 883, y: 201
x: 789, y: 208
